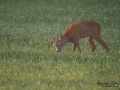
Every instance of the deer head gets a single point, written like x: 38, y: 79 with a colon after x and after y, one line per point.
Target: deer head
x: 58, y: 43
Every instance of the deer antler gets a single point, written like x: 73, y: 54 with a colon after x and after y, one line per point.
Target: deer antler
x: 52, y: 38
x: 57, y: 36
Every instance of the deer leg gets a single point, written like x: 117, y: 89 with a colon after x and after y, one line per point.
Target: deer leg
x: 79, y: 48
x: 91, y: 44
x: 76, y: 45
x: 98, y: 38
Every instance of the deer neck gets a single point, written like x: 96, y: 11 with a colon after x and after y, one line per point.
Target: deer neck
x: 64, y: 41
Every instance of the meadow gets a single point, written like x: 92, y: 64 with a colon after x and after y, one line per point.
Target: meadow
x: 28, y: 60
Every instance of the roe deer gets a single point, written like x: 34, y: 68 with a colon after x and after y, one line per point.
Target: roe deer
x: 83, y: 29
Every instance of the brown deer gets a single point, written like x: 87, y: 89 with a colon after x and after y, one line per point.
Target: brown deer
x: 83, y: 29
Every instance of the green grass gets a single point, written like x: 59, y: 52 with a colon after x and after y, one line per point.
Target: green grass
x: 28, y: 60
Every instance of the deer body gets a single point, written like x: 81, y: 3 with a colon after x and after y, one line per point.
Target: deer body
x: 83, y: 29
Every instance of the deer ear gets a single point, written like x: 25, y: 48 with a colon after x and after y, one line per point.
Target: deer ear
x: 53, y: 38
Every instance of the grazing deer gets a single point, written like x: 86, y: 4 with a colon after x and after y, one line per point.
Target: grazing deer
x: 83, y: 29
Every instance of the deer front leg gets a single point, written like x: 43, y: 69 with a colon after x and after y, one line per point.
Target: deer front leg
x: 76, y: 45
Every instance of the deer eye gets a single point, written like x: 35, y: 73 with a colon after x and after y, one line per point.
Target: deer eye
x: 59, y: 45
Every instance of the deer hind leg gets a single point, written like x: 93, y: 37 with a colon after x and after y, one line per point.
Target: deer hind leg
x: 93, y: 47
x: 79, y: 48
x: 99, y: 39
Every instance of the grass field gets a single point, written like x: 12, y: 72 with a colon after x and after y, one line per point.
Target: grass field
x: 28, y: 60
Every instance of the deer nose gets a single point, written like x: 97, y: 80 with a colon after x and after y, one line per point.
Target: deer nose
x: 57, y: 50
